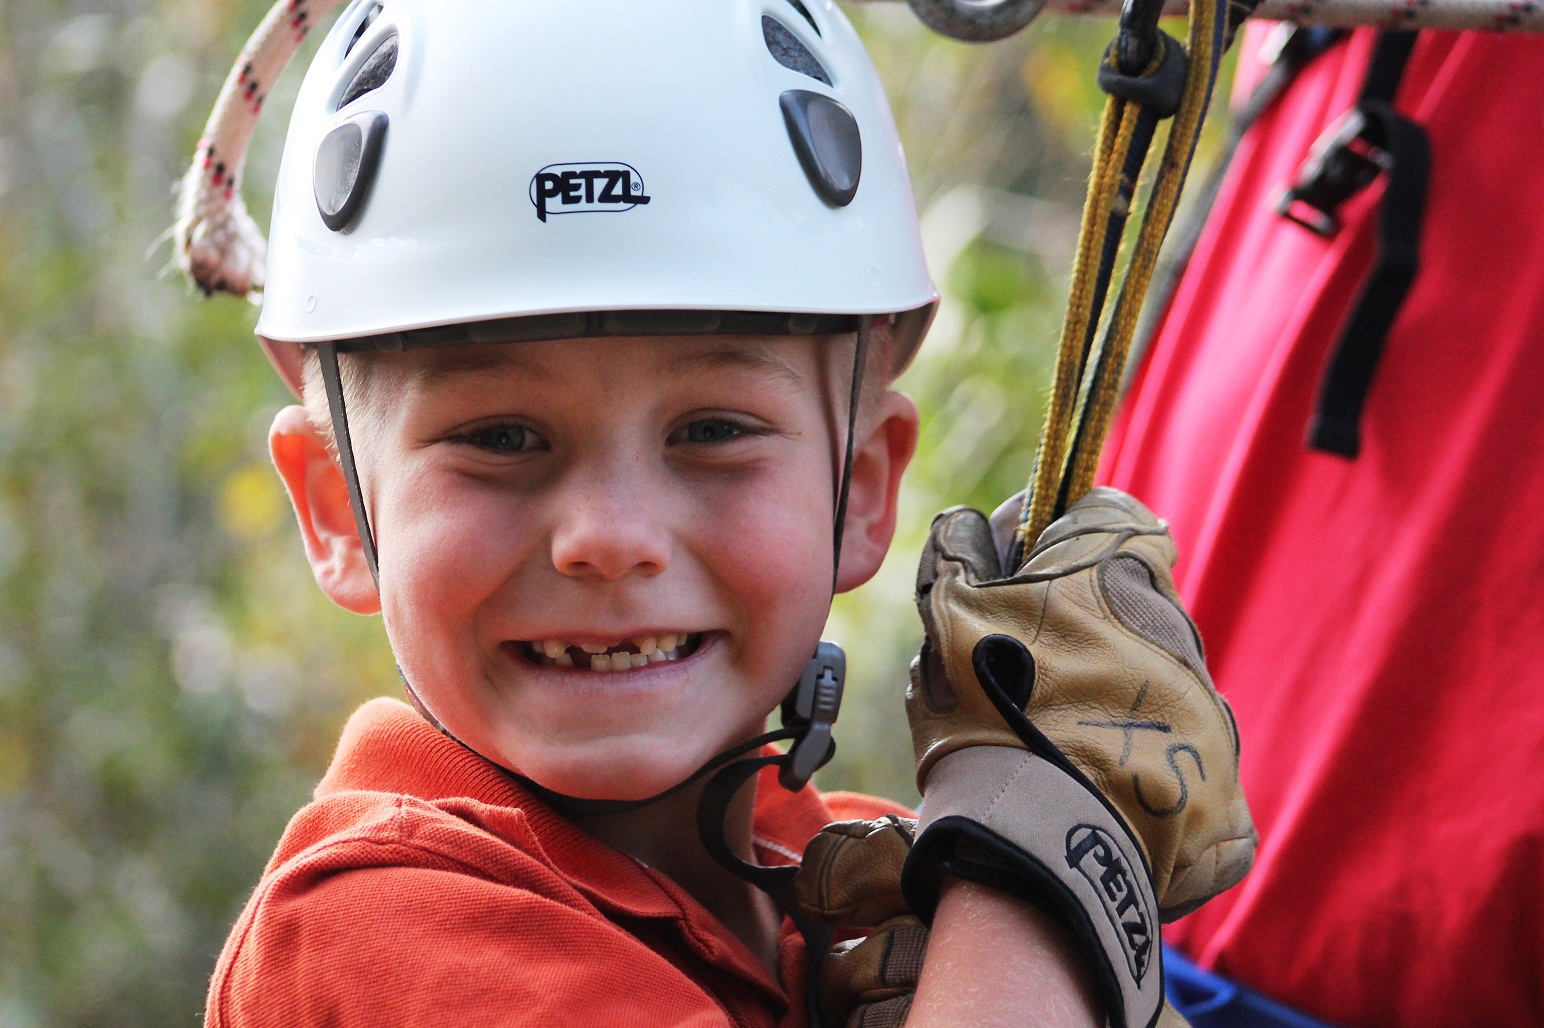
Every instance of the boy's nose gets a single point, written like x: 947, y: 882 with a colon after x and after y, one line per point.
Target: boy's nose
x: 609, y: 533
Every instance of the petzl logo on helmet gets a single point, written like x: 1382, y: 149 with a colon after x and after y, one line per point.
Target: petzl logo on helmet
x: 1094, y: 853
x: 573, y: 188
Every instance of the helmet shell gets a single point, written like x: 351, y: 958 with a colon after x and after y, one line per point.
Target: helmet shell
x: 677, y: 101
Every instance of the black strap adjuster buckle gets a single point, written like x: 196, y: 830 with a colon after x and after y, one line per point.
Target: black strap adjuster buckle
x: 1347, y: 159
x: 811, y: 709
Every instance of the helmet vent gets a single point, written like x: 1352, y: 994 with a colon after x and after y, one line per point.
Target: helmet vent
x: 346, y: 163
x: 373, y: 73
x: 804, y: 12
x: 826, y: 139
x: 788, y: 51
x: 359, y: 30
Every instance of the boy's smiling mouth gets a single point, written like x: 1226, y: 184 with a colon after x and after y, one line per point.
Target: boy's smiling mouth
x: 624, y: 655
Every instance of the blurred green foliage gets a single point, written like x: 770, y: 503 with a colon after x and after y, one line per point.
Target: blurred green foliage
x: 171, y: 683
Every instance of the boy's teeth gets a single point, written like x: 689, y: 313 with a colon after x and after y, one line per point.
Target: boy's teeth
x: 630, y: 653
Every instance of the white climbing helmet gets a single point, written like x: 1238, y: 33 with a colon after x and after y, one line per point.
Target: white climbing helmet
x: 456, y: 162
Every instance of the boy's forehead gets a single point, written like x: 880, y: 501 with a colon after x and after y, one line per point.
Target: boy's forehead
x: 786, y: 357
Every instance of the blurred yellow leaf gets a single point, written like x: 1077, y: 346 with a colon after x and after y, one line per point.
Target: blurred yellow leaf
x: 13, y: 762
x: 251, y: 502
x: 1062, y: 80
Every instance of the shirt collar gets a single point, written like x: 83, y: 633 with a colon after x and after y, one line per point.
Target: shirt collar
x: 388, y: 747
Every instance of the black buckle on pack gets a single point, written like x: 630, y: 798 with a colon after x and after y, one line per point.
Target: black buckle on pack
x: 1347, y: 159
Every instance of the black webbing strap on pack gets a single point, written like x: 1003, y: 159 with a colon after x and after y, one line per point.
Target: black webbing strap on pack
x: 1372, y: 139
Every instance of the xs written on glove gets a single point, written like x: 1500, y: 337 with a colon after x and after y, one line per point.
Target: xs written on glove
x: 1070, y: 746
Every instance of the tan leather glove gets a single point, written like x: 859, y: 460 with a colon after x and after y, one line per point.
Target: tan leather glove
x: 1070, y: 745
x: 851, y: 878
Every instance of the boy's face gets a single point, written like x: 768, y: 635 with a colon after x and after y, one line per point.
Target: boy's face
x: 535, y: 502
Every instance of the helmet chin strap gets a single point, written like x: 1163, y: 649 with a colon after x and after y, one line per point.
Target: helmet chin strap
x: 807, y: 712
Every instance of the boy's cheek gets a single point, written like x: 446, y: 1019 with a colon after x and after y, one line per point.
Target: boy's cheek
x: 436, y: 527
x: 441, y: 570
x: 785, y: 586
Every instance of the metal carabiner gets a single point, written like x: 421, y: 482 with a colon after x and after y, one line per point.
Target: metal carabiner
x: 976, y: 21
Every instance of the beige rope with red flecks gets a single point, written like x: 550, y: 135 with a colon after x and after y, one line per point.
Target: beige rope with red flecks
x: 215, y: 241
x: 1478, y: 15
x: 220, y: 248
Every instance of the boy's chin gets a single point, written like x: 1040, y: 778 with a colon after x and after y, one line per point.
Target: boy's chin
x: 613, y: 777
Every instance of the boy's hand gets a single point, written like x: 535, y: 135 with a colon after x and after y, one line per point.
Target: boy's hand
x: 1070, y: 746
x: 851, y: 878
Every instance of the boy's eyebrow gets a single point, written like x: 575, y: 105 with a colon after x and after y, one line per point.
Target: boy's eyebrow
x: 474, y: 360
x: 752, y: 357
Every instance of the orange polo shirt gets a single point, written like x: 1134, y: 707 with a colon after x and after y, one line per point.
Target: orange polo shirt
x: 423, y: 886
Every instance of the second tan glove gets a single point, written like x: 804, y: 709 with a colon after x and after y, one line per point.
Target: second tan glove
x: 851, y: 878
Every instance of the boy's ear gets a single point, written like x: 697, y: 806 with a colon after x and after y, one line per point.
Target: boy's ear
x: 879, y: 458
x: 320, y: 496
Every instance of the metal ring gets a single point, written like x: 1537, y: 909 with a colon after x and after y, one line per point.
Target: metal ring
x: 976, y: 21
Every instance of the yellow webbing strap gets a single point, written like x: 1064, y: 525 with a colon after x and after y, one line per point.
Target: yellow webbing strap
x: 1074, y: 434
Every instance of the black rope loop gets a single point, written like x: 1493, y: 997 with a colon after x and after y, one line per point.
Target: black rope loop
x: 1160, y: 84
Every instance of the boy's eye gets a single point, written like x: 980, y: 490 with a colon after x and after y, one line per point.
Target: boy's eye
x: 710, y: 430
x: 504, y: 439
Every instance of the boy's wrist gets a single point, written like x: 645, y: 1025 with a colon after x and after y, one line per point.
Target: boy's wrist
x: 1032, y: 968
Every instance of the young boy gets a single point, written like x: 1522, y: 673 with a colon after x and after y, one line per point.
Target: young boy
x: 593, y: 309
